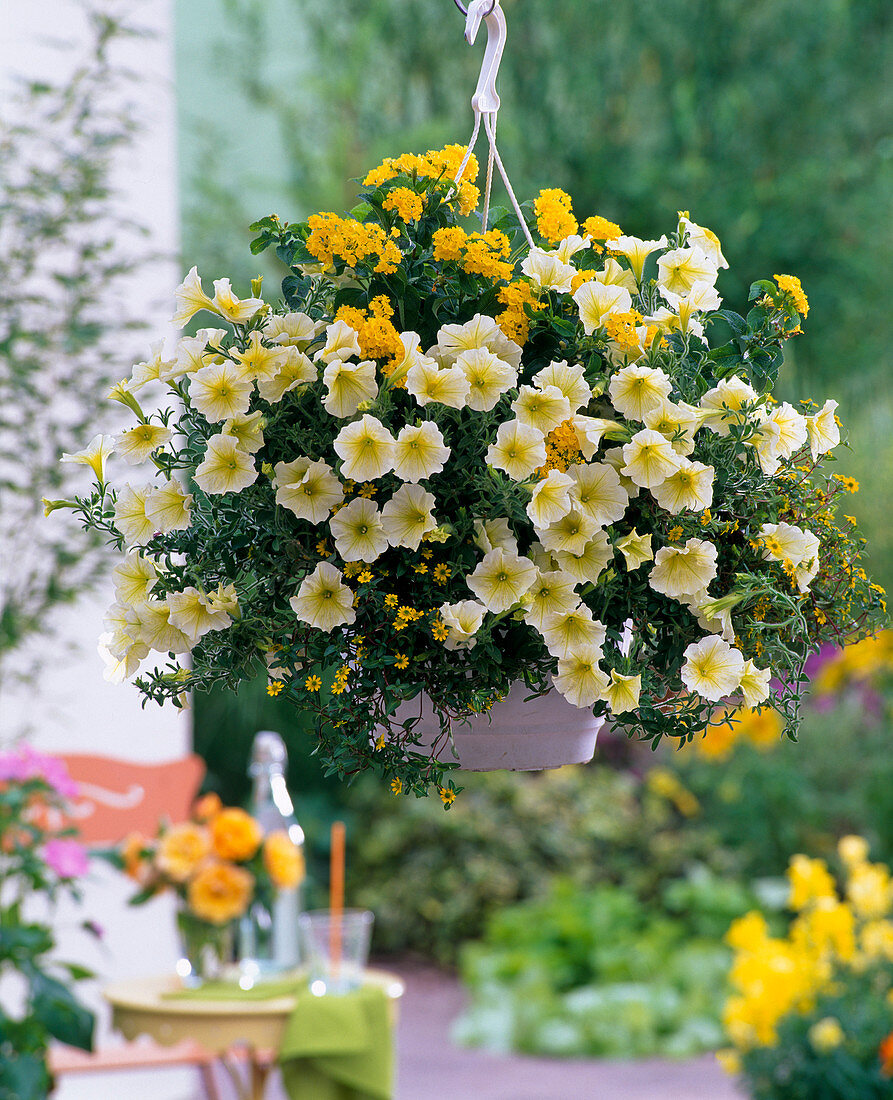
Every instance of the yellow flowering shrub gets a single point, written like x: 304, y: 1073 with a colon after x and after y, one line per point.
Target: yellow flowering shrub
x: 823, y: 991
x: 450, y: 459
x: 865, y: 662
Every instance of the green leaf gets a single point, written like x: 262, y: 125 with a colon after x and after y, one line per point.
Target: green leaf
x: 77, y: 972
x: 62, y: 1016
x: 23, y: 1077
x: 499, y: 215
x: 761, y: 287
x: 24, y: 940
x: 260, y: 244
x: 734, y: 320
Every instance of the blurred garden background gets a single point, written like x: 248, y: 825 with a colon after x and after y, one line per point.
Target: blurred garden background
x: 586, y: 908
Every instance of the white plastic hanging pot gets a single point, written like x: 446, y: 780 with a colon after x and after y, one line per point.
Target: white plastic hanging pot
x: 545, y: 732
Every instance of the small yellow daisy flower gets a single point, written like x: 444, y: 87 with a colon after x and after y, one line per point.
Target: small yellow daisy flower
x: 274, y: 687
x: 402, y: 661
x: 313, y: 683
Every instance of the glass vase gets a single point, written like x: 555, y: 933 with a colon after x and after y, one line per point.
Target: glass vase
x: 268, y: 937
x: 206, y: 949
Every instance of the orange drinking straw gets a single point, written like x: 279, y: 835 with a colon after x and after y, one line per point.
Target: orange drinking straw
x: 336, y: 895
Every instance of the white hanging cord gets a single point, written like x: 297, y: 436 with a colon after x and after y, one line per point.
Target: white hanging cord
x: 485, y: 101
x: 485, y: 212
x: 470, y: 147
x: 491, y: 134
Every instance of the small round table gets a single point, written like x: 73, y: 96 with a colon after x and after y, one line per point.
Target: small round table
x: 140, y: 1007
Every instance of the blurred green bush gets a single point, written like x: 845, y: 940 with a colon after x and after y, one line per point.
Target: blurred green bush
x: 434, y: 879
x: 772, y: 800
x: 597, y: 974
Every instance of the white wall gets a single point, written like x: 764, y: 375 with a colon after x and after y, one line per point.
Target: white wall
x: 74, y: 709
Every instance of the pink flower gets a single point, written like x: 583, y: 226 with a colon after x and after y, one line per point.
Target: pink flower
x: 68, y: 858
x: 26, y: 763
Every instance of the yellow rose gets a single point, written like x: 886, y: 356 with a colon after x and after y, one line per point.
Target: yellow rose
x: 182, y: 849
x: 207, y: 807
x: 235, y: 834
x: 132, y: 854
x: 284, y: 861
x: 220, y: 892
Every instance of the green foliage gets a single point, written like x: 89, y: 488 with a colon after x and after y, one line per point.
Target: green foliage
x: 768, y: 805
x: 62, y: 256
x: 796, y: 1069
x: 434, y: 879
x: 32, y: 795
x: 598, y: 974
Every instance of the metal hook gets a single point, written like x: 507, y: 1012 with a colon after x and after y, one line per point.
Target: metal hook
x: 464, y: 10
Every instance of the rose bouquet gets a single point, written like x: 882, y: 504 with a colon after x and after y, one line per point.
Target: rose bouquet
x: 445, y: 462
x: 219, y: 864
x: 811, y: 1013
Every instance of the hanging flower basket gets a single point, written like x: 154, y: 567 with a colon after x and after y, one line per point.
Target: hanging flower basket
x: 516, y: 734
x: 465, y: 465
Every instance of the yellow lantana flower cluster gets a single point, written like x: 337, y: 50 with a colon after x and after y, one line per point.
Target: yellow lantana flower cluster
x: 332, y: 237
x: 791, y: 285
x: 405, y: 203
x: 513, y: 320
x: 830, y: 941
x: 601, y: 229
x: 621, y: 329
x: 436, y: 164
x: 554, y: 217
x: 478, y: 253
x: 562, y: 449
x: 375, y: 331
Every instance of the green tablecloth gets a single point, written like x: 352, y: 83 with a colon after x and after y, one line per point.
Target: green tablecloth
x: 333, y: 1047
x: 339, y: 1048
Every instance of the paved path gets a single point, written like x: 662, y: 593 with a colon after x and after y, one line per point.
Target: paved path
x: 431, y: 1068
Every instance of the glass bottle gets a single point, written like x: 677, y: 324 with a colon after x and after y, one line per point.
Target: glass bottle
x: 268, y: 934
